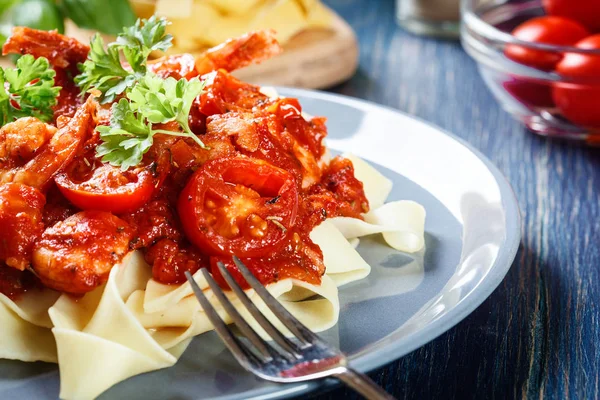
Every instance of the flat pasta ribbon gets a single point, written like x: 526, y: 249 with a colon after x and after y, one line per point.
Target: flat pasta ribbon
x: 134, y: 324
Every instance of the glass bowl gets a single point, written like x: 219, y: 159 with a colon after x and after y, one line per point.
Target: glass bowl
x: 533, y: 96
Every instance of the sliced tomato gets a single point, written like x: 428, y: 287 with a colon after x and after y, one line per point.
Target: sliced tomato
x: 106, y: 188
x: 240, y: 206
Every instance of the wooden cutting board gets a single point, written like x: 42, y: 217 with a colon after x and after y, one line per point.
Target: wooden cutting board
x: 314, y: 59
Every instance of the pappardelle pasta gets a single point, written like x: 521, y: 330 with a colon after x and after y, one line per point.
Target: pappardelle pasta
x: 119, y: 173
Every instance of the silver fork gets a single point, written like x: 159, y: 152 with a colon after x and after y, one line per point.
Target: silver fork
x: 285, y: 361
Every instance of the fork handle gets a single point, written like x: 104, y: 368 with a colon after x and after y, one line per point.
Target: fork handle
x: 362, y: 384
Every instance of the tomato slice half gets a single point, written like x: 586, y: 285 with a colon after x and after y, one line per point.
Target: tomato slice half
x: 107, y: 188
x: 240, y: 206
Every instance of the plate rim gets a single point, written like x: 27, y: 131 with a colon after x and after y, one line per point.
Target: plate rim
x: 367, y: 361
x: 394, y: 351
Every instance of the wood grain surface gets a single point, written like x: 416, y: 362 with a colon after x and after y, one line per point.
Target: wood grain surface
x: 538, y: 335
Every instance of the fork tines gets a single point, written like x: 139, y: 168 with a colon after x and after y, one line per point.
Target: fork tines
x: 263, y: 351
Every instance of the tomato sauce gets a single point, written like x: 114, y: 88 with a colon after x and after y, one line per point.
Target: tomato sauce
x: 228, y: 110
x: 257, y: 192
x: 14, y: 283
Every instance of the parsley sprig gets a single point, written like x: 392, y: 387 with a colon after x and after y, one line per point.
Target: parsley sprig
x: 145, y: 100
x: 152, y: 101
x: 27, y: 90
x: 103, y: 69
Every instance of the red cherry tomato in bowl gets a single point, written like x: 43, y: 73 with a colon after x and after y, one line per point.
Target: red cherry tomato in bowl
x: 586, y: 12
x: 549, y: 30
x: 240, y: 206
x: 107, y: 188
x: 529, y: 93
x: 580, y: 103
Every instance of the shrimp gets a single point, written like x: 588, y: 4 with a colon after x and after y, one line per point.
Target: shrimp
x: 51, y: 158
x: 21, y: 223
x: 76, y: 255
x: 60, y: 50
x: 176, y: 66
x: 21, y: 140
x: 251, y: 48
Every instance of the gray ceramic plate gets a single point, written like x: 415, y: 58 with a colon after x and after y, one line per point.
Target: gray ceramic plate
x: 472, y: 235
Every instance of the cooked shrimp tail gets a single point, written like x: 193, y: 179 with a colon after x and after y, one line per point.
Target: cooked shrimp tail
x: 251, y: 48
x: 59, y: 151
x: 62, y: 51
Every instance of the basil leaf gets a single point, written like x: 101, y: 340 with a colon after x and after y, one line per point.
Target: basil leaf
x: 106, y: 16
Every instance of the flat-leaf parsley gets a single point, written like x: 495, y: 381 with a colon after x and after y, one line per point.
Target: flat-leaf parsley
x: 152, y: 101
x: 103, y: 69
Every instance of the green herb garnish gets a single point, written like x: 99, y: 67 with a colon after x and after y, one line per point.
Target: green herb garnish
x: 152, y: 101
x: 27, y: 90
x: 147, y: 100
x: 103, y: 70
x: 108, y: 16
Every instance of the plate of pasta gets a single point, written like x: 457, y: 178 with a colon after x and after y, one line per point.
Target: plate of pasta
x: 119, y: 173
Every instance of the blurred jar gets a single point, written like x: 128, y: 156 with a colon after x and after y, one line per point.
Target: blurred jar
x: 439, y: 18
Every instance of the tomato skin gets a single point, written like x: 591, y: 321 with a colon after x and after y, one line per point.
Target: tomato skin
x: 580, y: 103
x: 549, y: 30
x: 586, y: 12
x: 530, y: 93
x: 102, y: 192
x: 226, y: 206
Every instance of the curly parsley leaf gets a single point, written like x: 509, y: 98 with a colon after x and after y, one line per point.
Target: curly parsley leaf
x: 139, y: 40
x: 103, y: 70
x: 166, y: 100
x: 28, y: 90
x: 152, y: 101
x: 127, y: 138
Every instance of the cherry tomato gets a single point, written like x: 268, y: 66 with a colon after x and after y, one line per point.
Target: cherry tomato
x: 530, y: 93
x: 586, y: 12
x: 238, y: 206
x: 580, y: 103
x: 107, y: 188
x: 550, y: 30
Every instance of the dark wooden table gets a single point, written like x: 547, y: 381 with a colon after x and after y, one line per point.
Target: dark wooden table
x: 538, y: 334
